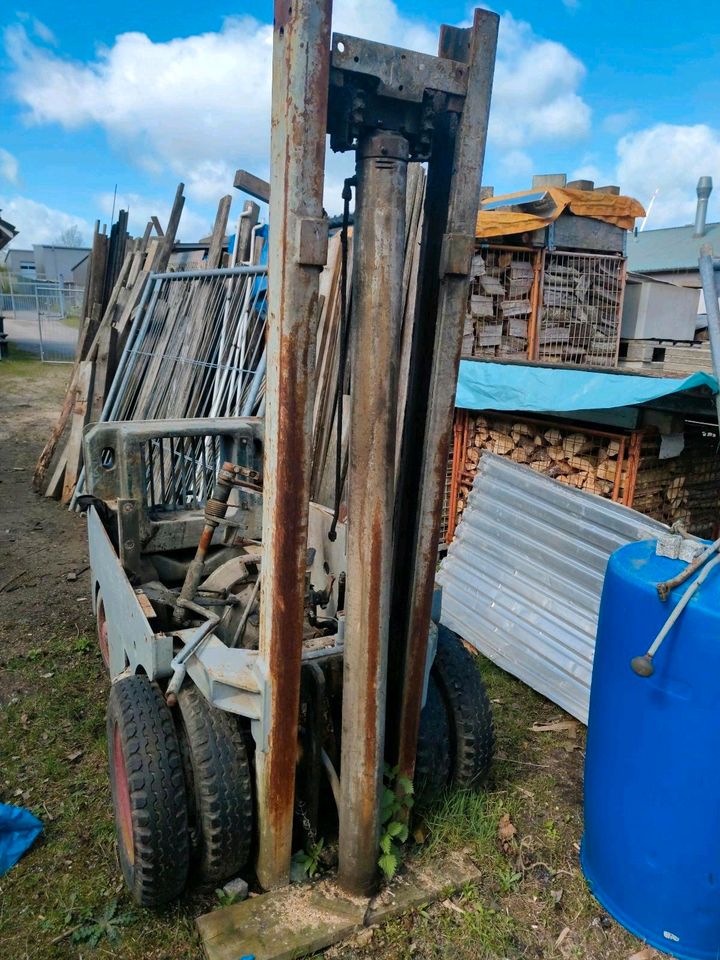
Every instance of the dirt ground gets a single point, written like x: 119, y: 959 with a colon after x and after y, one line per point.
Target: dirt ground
x: 65, y: 899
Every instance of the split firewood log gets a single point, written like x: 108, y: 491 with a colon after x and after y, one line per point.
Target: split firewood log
x: 553, y: 437
x: 577, y: 443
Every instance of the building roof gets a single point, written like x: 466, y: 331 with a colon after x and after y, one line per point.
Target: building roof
x: 673, y: 248
x: 7, y: 232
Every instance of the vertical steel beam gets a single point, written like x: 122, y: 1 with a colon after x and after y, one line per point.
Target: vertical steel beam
x: 453, y: 193
x: 378, y: 248
x: 297, y: 252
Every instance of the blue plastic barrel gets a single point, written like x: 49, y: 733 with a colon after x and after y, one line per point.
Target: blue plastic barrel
x: 651, y: 848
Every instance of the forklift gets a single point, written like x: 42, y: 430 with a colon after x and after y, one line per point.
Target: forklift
x: 268, y: 658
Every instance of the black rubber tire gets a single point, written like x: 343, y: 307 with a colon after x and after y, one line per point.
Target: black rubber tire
x: 432, y: 761
x: 219, y: 784
x: 155, y: 854
x: 472, y: 736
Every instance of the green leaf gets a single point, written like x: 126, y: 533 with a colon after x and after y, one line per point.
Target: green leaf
x: 403, y: 835
x: 394, y: 828
x: 386, y: 843
x: 388, y: 863
x: 406, y: 785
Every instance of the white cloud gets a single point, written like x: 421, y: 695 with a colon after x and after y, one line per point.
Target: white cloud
x: 41, y: 30
x: 9, y: 167
x: 517, y: 164
x: 38, y: 223
x: 617, y: 123
x: 668, y: 158
x: 198, y: 107
x: 535, y: 92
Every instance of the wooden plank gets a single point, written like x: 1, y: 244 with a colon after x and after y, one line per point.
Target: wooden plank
x: 167, y: 242
x: 58, y: 429
x: 73, y: 450
x: 55, y: 485
x: 217, y: 241
x: 252, y: 185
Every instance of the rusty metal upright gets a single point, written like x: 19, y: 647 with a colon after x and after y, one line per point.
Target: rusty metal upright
x: 391, y: 105
x: 297, y: 252
x: 378, y: 254
x: 452, y: 198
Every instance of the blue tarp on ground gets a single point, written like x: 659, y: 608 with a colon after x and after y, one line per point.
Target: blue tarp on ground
x: 510, y: 386
x: 18, y: 831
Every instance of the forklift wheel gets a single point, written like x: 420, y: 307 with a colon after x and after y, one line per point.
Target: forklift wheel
x: 148, y: 792
x: 472, y: 737
x: 432, y: 762
x: 102, y: 630
x: 219, y: 786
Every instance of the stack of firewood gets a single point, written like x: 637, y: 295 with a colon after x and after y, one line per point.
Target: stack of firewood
x: 500, y: 305
x: 577, y: 459
x: 580, y: 319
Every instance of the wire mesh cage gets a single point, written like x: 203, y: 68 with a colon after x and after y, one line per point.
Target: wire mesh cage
x: 501, y: 305
x: 599, y: 462
x: 581, y: 310
x: 684, y: 488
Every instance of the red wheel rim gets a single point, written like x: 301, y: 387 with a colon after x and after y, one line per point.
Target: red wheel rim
x: 122, y: 789
x: 102, y: 632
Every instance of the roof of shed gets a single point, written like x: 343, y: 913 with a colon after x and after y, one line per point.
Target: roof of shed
x: 672, y: 248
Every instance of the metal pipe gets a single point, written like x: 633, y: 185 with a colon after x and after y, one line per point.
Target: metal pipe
x: 180, y: 659
x: 257, y: 380
x: 332, y: 776
x: 664, y: 588
x: 246, y: 613
x: 643, y: 665
x: 244, y: 269
x: 708, y: 276
x: 704, y: 189
x: 378, y: 252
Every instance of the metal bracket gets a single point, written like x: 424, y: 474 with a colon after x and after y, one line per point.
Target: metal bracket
x: 130, y: 534
x: 312, y: 241
x: 374, y: 86
x: 456, y: 254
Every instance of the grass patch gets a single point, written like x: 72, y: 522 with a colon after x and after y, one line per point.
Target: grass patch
x: 66, y: 898
x: 19, y: 363
x: 67, y: 893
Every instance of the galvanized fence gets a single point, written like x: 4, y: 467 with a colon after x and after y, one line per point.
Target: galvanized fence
x: 196, y: 349
x: 42, y: 316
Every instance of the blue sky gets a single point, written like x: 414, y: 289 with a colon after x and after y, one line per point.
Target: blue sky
x: 143, y: 95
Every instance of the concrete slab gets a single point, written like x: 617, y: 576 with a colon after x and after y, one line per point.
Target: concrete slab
x: 298, y: 920
x: 422, y: 884
x: 282, y: 925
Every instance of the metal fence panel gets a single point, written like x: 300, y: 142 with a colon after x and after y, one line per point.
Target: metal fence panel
x: 522, y: 579
x: 42, y: 316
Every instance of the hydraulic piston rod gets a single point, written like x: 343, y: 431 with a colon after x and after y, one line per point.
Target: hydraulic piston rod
x: 378, y: 245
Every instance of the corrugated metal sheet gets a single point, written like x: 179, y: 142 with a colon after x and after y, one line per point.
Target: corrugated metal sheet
x: 670, y: 248
x: 523, y: 577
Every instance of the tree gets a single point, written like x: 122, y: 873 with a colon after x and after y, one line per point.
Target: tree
x: 71, y: 237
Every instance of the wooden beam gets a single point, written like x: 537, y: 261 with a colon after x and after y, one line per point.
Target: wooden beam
x: 252, y: 185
